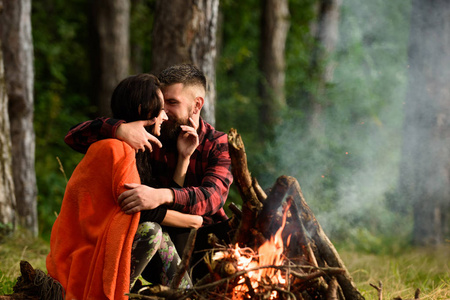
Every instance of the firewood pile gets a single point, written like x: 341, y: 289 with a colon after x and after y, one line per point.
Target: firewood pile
x: 290, y: 255
x: 279, y: 250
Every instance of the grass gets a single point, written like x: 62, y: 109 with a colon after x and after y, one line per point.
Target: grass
x: 400, y: 273
x: 12, y: 251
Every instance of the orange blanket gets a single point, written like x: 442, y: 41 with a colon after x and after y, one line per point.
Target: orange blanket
x: 90, y: 245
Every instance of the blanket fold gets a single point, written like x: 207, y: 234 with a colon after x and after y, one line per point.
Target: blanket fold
x: 90, y: 244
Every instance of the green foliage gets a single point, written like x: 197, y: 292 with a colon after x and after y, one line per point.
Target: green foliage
x: 141, y: 25
x: 238, y: 74
x: 62, y: 86
x: 347, y: 168
x: 237, y: 70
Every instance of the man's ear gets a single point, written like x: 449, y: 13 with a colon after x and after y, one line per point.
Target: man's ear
x: 199, y: 101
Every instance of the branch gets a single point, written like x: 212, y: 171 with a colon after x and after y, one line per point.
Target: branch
x: 184, y: 265
x: 379, y: 289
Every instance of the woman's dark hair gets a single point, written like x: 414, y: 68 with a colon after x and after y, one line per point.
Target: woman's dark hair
x: 136, y: 98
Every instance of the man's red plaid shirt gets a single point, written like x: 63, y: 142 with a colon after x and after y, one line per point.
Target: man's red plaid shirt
x: 208, y: 177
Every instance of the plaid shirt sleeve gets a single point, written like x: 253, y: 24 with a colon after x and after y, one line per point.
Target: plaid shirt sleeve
x: 81, y: 136
x: 209, y: 198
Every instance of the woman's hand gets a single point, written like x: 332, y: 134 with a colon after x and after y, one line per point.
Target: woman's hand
x: 135, y: 135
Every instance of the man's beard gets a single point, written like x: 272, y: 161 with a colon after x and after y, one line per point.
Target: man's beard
x: 170, y: 130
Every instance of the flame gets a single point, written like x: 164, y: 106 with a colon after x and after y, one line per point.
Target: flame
x: 269, y: 253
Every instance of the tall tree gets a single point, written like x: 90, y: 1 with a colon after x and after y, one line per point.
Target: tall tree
x: 17, y: 49
x: 274, y: 29
x: 325, y: 33
x: 185, y: 32
x: 425, y: 165
x: 7, y: 198
x: 111, y: 20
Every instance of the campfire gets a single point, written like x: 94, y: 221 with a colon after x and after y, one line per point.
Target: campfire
x: 278, y: 249
x: 261, y: 269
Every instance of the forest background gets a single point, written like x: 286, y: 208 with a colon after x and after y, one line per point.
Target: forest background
x: 343, y: 127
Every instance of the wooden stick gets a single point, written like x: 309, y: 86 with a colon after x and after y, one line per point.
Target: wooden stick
x: 262, y: 196
x: 235, y: 210
x: 184, y: 265
x: 267, y: 217
x: 379, y: 289
x: 304, y: 215
x: 156, y: 292
x: 239, y: 168
x: 242, y: 177
x: 332, y: 290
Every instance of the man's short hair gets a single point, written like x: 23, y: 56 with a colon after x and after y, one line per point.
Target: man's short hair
x: 187, y: 74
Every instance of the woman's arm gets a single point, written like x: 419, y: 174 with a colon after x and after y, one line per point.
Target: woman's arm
x: 174, y: 218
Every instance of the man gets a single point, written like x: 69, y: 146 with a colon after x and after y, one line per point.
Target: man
x: 208, y: 178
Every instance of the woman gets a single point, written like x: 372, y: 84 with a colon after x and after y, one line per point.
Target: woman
x: 92, y: 239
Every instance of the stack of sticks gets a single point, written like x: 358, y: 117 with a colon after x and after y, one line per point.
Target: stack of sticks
x: 319, y: 272
x: 311, y: 267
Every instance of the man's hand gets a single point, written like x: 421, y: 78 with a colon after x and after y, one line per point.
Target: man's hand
x: 142, y: 197
x: 135, y: 135
x: 187, y: 139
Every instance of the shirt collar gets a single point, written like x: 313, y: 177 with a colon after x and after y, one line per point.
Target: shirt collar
x: 201, y: 131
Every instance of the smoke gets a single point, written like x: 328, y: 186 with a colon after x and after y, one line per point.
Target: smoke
x: 348, y: 168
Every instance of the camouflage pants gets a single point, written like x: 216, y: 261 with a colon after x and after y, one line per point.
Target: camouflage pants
x: 149, y: 240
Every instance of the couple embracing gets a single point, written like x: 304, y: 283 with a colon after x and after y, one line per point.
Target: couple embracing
x: 129, y: 205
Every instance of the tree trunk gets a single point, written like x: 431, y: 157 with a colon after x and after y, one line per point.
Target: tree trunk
x: 111, y: 20
x: 325, y: 32
x: 425, y: 165
x: 7, y: 199
x: 185, y: 32
x: 19, y: 76
x: 274, y: 26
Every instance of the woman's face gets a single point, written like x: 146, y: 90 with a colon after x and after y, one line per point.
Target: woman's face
x: 161, y: 117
